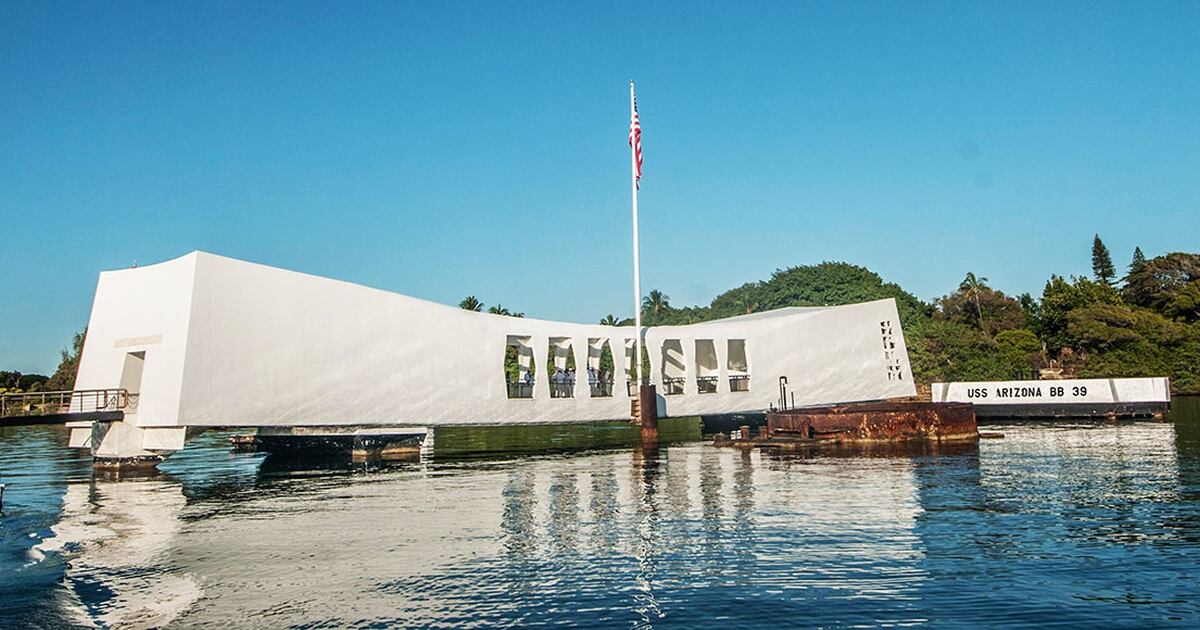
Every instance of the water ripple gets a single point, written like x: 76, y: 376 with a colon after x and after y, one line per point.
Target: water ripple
x: 1084, y: 524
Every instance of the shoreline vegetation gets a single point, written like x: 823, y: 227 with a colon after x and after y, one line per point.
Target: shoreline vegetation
x: 1145, y: 323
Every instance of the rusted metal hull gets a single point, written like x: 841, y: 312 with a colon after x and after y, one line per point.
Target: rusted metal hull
x: 866, y: 423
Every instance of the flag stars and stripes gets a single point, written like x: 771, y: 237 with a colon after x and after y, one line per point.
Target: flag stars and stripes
x: 635, y: 141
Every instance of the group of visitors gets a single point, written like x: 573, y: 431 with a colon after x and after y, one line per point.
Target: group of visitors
x: 562, y: 382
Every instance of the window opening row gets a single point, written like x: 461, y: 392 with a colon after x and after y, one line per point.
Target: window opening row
x: 520, y: 368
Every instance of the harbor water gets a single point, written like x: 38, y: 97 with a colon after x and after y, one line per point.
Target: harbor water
x: 1057, y: 524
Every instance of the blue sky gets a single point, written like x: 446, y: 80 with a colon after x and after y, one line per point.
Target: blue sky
x: 447, y: 149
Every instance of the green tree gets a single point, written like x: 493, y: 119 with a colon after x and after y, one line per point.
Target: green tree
x: 970, y: 287
x: 945, y: 350
x: 469, y: 303
x: 63, y: 378
x: 981, y: 307
x: 16, y: 382
x: 1120, y: 341
x: 1102, y: 264
x: 497, y: 310
x: 738, y: 301
x: 1032, y: 309
x: 1020, y: 349
x: 609, y: 320
x: 1059, y: 298
x: 1168, y: 284
x: 1099, y: 327
x: 1139, y: 259
x: 826, y: 284
x: 656, y: 303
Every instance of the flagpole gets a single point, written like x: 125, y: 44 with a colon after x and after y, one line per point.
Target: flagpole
x: 637, y: 272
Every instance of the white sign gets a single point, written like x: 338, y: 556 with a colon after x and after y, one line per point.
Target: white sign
x: 1091, y: 390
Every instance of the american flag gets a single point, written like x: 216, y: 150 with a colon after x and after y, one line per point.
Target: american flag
x: 635, y: 141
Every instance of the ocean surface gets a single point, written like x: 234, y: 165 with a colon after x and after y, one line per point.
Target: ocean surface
x: 1057, y: 524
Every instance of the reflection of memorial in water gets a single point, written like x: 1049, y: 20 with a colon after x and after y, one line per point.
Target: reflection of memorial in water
x: 432, y: 543
x: 116, y: 538
x: 563, y: 501
x: 645, y: 471
x: 677, y: 517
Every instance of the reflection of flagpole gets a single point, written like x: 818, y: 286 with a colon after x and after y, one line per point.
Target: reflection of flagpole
x: 635, y: 149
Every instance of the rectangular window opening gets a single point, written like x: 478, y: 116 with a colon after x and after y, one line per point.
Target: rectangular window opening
x: 600, y: 368
x: 518, y: 366
x: 674, y: 371
x: 562, y: 375
x: 738, y: 366
x: 707, y: 373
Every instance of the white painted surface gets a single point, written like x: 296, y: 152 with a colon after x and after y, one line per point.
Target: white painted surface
x: 232, y: 343
x: 1090, y: 390
x: 146, y: 309
x: 80, y: 434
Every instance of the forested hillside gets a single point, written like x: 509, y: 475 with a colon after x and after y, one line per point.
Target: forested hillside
x: 1146, y: 323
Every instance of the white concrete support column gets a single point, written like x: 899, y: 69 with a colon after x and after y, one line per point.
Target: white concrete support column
x: 543, y: 368
x: 619, y: 367
x: 654, y: 350
x: 524, y: 360
x: 581, y: 350
x: 123, y: 445
x: 722, y: 346
x: 594, y: 350
x: 689, y: 365
x: 118, y: 440
x: 560, y: 356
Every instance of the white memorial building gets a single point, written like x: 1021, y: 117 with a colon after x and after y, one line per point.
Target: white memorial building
x: 207, y: 341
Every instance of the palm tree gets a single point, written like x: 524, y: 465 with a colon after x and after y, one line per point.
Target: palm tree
x: 656, y: 302
x: 498, y: 310
x: 609, y: 320
x: 469, y: 303
x: 971, y: 287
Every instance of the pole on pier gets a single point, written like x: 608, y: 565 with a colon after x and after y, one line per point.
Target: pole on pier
x: 647, y: 396
x: 648, y: 411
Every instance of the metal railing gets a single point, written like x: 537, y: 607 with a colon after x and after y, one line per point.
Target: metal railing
x: 601, y: 388
x: 673, y: 386
x: 707, y: 384
x: 520, y: 389
x: 565, y: 389
x: 739, y: 383
x: 562, y: 389
x: 78, y: 401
